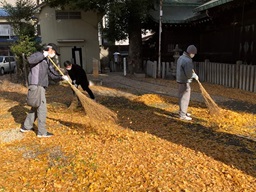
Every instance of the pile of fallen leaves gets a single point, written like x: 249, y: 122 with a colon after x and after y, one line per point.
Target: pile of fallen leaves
x: 237, y: 123
x: 149, y: 149
x: 242, y: 124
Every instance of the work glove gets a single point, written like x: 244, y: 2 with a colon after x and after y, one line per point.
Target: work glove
x: 74, y: 83
x: 45, y: 53
x: 195, y: 76
x: 65, y: 77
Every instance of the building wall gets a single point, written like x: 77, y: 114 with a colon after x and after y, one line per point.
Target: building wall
x: 65, y: 34
x: 13, y: 2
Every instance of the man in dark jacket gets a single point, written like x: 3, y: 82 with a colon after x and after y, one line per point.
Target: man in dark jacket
x: 184, y: 75
x: 40, y: 69
x: 78, y: 77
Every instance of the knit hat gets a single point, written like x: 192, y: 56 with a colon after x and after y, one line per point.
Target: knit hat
x: 192, y: 49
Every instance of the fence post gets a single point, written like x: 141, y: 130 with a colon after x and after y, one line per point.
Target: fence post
x: 155, y: 69
x: 237, y: 73
x: 206, y: 68
x: 167, y: 68
x: 233, y: 76
x: 124, y: 62
x: 163, y: 70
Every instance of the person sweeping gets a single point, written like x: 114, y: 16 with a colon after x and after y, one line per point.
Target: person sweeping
x: 184, y: 75
x: 96, y: 112
x: 40, y: 68
x: 78, y: 77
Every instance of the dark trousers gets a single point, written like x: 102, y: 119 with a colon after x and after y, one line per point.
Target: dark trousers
x: 88, y: 90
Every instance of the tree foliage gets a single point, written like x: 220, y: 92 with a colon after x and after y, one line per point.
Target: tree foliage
x: 100, y: 6
x: 20, y: 18
x: 123, y: 16
x: 24, y: 45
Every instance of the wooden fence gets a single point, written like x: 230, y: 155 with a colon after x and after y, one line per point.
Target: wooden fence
x: 230, y: 75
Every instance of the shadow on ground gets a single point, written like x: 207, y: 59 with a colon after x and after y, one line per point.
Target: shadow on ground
x: 239, y: 106
x: 227, y: 148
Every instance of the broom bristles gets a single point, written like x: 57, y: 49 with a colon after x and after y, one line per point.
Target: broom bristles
x: 95, y: 111
x: 212, y: 106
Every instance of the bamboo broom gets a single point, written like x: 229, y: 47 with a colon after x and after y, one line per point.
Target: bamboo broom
x: 212, y: 106
x: 95, y: 111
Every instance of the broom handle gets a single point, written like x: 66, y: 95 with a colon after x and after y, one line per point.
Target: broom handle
x: 56, y: 66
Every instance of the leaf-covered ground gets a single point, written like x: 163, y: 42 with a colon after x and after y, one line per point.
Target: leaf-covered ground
x: 149, y: 149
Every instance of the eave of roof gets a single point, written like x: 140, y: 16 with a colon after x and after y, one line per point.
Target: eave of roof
x: 211, y: 4
x: 174, y: 14
x: 176, y: 11
x: 181, y: 3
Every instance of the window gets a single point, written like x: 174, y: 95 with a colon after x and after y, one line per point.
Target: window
x: 68, y: 15
x: 11, y: 59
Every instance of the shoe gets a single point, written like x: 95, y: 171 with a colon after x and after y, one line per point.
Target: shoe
x: 45, y: 135
x: 188, y: 114
x: 186, y: 118
x: 23, y: 130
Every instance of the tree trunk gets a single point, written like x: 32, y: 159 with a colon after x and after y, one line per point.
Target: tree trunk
x: 135, y: 45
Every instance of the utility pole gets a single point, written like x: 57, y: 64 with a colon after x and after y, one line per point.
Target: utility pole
x: 160, y: 35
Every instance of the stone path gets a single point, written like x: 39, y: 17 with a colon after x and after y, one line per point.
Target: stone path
x: 140, y: 86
